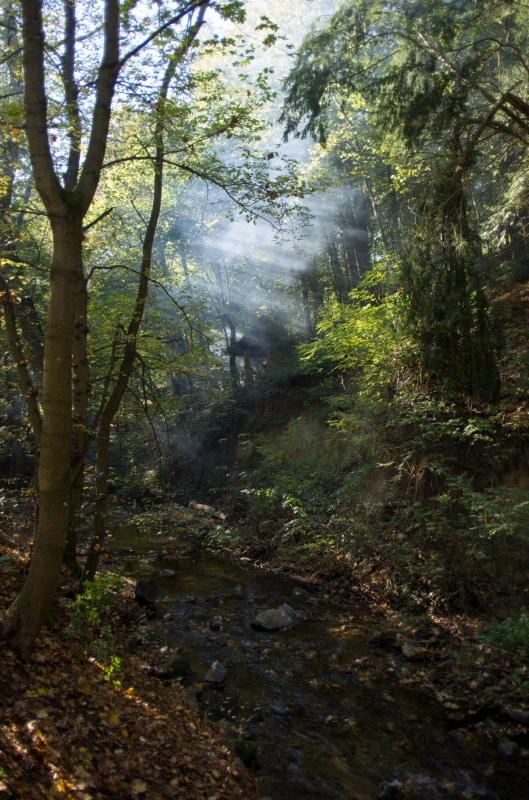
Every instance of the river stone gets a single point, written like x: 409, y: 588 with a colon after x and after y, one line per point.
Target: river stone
x: 412, y: 651
x: 166, y: 573
x: 246, y: 751
x: 508, y: 750
x: 518, y: 716
x: 301, y: 594
x: 145, y: 592
x: 273, y: 619
x: 176, y: 668
x: 383, y: 639
x: 216, y: 674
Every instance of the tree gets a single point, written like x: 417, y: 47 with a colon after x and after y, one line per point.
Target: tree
x: 447, y: 82
x: 67, y: 199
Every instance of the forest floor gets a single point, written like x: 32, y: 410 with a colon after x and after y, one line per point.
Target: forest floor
x: 71, y: 728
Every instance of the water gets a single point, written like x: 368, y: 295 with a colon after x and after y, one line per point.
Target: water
x: 322, y: 731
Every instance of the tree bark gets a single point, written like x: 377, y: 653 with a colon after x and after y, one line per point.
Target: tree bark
x: 80, y: 409
x: 306, y: 305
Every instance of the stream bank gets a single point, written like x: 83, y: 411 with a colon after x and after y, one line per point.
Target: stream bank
x: 332, y: 715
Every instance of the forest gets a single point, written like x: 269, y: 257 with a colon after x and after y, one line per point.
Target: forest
x: 264, y: 399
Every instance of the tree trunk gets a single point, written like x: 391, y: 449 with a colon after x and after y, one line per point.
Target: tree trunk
x: 247, y: 366
x: 80, y: 409
x: 27, y: 613
x: 129, y: 356
x: 66, y: 209
x: 306, y: 305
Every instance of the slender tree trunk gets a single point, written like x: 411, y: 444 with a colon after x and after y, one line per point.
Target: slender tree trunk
x: 129, y: 356
x: 306, y: 305
x: 80, y: 409
x: 338, y: 276
x: 247, y: 366
x: 234, y: 378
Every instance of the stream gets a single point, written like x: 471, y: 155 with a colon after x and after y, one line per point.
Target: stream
x: 322, y: 732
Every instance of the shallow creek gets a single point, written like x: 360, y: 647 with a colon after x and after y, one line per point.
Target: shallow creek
x: 321, y: 733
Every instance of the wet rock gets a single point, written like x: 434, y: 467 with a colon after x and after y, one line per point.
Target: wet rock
x: 518, y: 716
x: 307, y: 583
x: 238, y: 590
x: 246, y: 751
x: 383, y: 639
x: 190, y: 598
x: 228, y: 729
x: 491, y: 725
x: 508, y: 750
x: 214, y: 600
x: 176, y: 668
x: 412, y: 651
x: 301, y: 594
x: 389, y: 790
x: 145, y: 592
x: 166, y: 573
x: 273, y: 619
x: 126, y: 551
x: 245, y: 560
x: 405, y: 673
x: 215, y: 624
x: 216, y: 674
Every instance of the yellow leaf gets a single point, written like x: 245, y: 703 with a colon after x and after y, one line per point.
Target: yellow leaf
x: 42, y: 691
x: 130, y: 690
x: 125, y: 733
x: 114, y: 719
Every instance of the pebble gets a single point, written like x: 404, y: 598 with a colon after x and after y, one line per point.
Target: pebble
x: 166, y: 573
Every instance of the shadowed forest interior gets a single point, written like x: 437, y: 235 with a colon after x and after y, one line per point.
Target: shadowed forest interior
x: 264, y: 399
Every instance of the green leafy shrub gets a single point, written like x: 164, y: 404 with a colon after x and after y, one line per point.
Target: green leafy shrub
x: 87, y: 614
x: 510, y: 635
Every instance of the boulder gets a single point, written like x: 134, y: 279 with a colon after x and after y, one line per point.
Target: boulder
x: 412, y: 651
x: 273, y: 619
x: 216, y: 674
x: 300, y: 594
x: 508, y: 750
x: 166, y: 573
x: 177, y: 668
x: 383, y: 639
x: 145, y: 592
x: 518, y: 716
x: 246, y: 751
